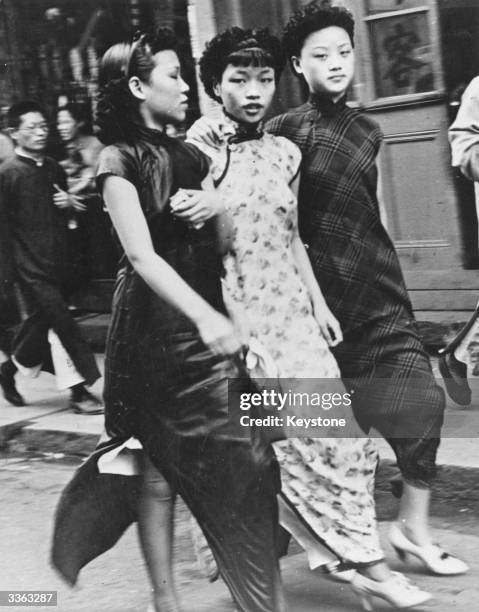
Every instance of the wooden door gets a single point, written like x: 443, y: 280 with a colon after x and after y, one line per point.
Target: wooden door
x: 401, y: 83
x: 402, y: 87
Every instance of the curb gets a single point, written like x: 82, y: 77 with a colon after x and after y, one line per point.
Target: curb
x: 52, y: 441
x: 27, y: 436
x: 454, y: 483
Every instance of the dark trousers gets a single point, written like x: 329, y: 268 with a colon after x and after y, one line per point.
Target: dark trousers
x: 44, y: 307
x: 395, y: 392
x: 9, y: 320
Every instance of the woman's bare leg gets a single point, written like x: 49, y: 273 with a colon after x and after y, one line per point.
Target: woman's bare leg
x: 414, y: 514
x: 155, y: 527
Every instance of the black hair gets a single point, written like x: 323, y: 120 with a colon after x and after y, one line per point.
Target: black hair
x: 80, y: 113
x: 315, y: 16
x: 239, y: 47
x: 17, y: 110
x: 117, y: 114
x: 74, y: 110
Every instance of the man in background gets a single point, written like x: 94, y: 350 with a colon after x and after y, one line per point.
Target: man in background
x: 34, y: 268
x: 464, y: 139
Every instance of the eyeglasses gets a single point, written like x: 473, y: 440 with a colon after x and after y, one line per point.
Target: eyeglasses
x: 31, y: 129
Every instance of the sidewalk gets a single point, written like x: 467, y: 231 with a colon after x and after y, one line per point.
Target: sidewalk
x: 47, y: 425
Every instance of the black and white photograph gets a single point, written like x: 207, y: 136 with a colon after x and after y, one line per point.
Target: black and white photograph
x: 239, y: 305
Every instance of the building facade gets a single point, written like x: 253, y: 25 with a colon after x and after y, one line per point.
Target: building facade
x: 414, y: 58
x: 51, y: 49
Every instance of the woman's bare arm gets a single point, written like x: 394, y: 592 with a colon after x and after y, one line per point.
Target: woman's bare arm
x: 121, y: 199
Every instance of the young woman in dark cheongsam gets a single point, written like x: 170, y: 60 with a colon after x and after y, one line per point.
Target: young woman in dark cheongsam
x: 171, y: 347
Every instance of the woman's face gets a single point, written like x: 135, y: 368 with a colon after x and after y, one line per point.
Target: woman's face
x: 246, y: 91
x: 164, y: 96
x: 67, y: 126
x: 327, y: 62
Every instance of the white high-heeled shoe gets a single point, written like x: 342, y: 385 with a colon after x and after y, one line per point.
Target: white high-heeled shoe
x: 434, y: 558
x: 397, y: 590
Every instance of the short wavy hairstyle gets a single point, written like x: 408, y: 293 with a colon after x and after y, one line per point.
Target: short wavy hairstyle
x: 117, y: 115
x: 239, y: 47
x: 315, y: 16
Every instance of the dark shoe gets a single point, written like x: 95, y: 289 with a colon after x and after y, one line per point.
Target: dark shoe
x: 83, y: 402
x: 10, y: 392
x: 454, y: 373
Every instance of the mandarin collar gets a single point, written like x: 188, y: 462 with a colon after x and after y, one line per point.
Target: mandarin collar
x: 151, y: 135
x: 236, y: 131
x: 32, y: 160
x: 325, y: 105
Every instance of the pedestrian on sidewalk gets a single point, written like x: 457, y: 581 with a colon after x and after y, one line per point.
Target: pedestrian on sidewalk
x: 464, y: 136
x: 79, y: 158
x: 34, y: 268
x: 171, y: 347
x: 464, y: 139
x: 81, y: 150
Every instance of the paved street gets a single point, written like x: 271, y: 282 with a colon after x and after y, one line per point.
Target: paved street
x: 42, y: 444
x: 117, y: 581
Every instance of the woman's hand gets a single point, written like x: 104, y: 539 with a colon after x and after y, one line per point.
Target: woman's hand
x: 218, y: 333
x: 207, y: 131
x: 77, y: 203
x: 196, y: 206
x: 328, y: 324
